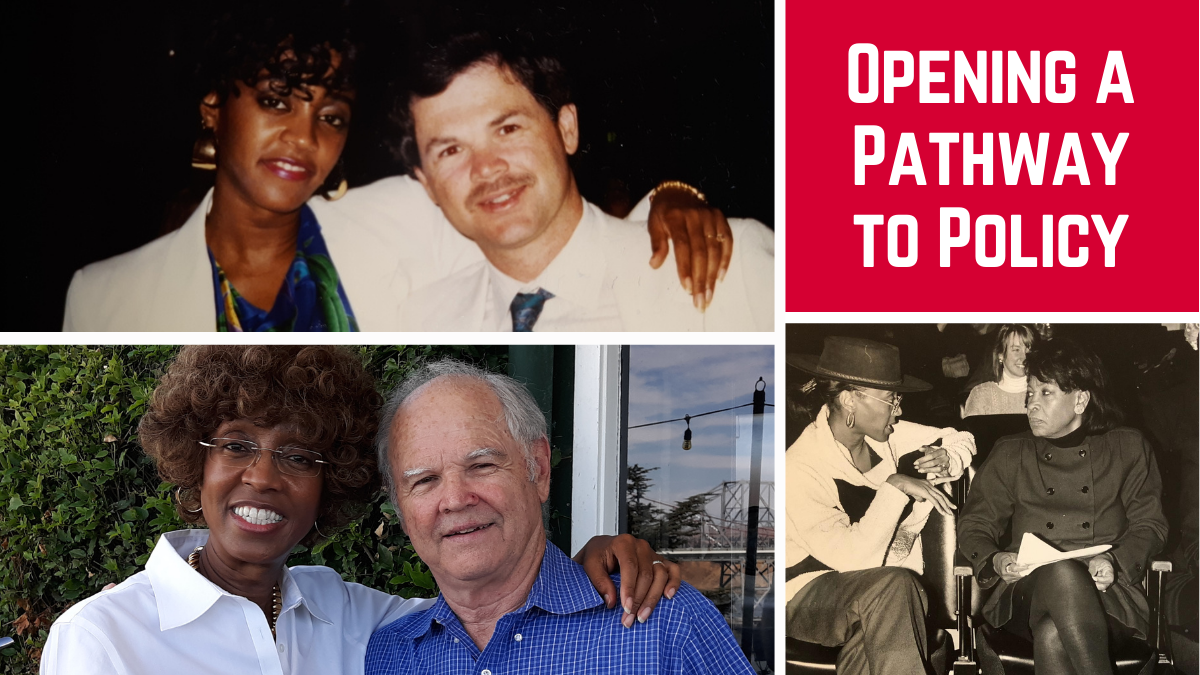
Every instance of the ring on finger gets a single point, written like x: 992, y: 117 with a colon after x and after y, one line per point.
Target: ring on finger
x: 657, y: 562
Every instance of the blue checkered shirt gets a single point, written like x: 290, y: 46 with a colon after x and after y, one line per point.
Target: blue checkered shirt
x: 563, y: 627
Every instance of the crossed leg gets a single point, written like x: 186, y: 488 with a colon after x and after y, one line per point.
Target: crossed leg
x: 1066, y: 619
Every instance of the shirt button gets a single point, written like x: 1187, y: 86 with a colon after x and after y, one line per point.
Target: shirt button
x: 282, y: 648
x: 1049, y: 526
x: 455, y: 640
x: 1084, y: 489
x: 517, y: 637
x: 485, y: 671
x: 974, y: 555
x: 1083, y: 453
x: 1050, y: 491
x: 1048, y: 456
x: 1086, y: 525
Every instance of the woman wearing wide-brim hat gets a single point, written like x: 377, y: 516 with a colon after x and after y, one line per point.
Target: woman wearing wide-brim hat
x: 861, y: 485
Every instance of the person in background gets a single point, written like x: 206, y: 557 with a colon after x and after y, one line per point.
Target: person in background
x: 1005, y: 394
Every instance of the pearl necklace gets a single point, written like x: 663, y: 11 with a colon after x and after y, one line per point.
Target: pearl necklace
x: 276, y: 599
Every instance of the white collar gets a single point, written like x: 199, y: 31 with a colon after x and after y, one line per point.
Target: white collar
x: 1010, y: 384
x: 183, y: 594
x: 573, y: 276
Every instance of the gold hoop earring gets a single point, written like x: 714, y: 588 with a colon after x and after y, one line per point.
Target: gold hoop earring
x: 338, y: 175
x: 341, y: 192
x: 850, y: 421
x: 180, y: 501
x: 204, y: 152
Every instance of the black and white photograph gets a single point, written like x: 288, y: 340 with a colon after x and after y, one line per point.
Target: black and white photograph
x: 995, y: 498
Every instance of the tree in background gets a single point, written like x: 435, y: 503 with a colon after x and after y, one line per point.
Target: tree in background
x: 681, y: 526
x: 643, y: 517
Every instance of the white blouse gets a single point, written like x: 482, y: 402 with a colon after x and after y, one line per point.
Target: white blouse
x: 170, y: 619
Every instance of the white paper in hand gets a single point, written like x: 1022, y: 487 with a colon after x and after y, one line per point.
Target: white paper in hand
x: 1036, y: 552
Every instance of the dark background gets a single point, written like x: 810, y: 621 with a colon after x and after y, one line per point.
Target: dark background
x: 665, y: 90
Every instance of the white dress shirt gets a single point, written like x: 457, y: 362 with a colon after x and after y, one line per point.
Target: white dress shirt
x: 602, y: 281
x: 386, y: 239
x: 582, y: 301
x: 170, y: 619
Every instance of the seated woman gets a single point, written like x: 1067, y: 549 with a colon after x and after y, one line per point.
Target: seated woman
x: 861, y: 485
x: 261, y: 252
x: 1076, y: 480
x: 1005, y: 393
x: 270, y: 447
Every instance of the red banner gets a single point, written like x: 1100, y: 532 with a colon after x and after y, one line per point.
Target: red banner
x: 992, y: 157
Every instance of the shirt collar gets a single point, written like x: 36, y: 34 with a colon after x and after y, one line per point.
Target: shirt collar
x: 183, y: 594
x: 561, y: 587
x: 573, y: 276
x: 294, y: 598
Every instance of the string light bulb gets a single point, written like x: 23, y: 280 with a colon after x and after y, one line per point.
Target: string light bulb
x: 687, y: 433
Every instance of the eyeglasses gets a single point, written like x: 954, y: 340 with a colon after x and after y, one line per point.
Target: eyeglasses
x: 238, y: 453
x: 895, y: 402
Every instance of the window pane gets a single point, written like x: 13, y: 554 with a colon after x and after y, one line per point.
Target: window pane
x: 694, y: 504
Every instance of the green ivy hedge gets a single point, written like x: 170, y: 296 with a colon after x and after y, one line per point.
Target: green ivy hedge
x: 81, y: 506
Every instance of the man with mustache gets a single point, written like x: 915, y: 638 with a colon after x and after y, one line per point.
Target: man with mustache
x: 488, y: 130
x: 466, y: 460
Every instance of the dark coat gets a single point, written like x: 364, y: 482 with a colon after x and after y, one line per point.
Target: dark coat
x: 1105, y: 491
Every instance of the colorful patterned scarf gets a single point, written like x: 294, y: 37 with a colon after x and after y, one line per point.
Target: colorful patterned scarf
x: 311, y: 298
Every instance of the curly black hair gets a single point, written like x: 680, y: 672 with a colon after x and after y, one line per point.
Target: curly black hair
x: 292, y: 45
x: 323, y: 390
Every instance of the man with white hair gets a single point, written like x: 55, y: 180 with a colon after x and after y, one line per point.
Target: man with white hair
x: 467, y: 462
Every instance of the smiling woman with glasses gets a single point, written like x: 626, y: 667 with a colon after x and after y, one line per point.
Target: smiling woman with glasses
x: 223, y: 599
x: 241, y: 454
x: 861, y: 485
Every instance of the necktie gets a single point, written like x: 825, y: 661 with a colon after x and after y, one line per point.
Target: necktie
x: 526, y: 308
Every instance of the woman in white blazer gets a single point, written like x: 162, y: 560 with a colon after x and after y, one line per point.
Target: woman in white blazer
x: 861, y: 484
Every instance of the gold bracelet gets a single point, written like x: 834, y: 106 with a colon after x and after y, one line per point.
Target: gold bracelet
x: 680, y: 185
